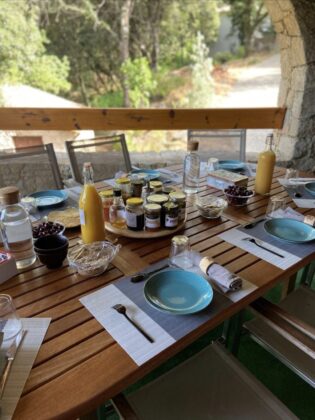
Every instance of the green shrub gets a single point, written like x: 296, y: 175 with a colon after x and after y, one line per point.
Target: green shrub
x: 109, y: 100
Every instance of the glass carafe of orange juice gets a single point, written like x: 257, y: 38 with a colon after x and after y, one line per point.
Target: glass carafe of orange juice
x: 266, y: 163
x: 91, y: 209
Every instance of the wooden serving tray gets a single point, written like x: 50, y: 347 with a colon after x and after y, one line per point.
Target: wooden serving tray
x: 143, y: 234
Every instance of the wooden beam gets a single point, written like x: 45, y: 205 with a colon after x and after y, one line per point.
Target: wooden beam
x: 139, y: 119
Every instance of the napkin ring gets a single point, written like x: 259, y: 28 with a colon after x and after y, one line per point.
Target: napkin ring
x: 205, y: 264
x: 309, y: 220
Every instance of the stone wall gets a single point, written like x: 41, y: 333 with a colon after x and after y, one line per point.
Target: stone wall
x: 293, y: 21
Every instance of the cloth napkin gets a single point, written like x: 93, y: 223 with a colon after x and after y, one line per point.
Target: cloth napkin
x: 289, y: 213
x: 223, y: 278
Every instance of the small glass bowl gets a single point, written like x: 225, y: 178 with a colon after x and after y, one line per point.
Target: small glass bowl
x: 211, y: 207
x: 238, y: 200
x: 37, y: 235
x: 92, y: 259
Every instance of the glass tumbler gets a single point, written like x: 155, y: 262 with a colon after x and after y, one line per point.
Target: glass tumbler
x: 180, y: 252
x: 10, y: 323
x: 213, y: 165
x: 276, y: 207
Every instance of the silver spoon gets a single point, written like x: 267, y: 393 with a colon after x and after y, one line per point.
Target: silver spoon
x: 136, y: 278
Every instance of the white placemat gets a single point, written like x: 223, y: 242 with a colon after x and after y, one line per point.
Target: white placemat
x: 132, y: 341
x: 36, y: 330
x: 235, y: 237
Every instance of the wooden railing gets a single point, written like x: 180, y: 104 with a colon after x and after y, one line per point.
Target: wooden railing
x: 139, y: 119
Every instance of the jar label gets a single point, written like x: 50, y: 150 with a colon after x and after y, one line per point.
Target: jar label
x: 131, y: 219
x: 171, y: 221
x: 121, y: 214
x: 152, y: 223
x: 82, y: 216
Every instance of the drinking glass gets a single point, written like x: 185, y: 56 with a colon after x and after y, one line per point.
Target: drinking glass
x: 213, y: 164
x: 180, y: 252
x: 10, y: 323
x: 276, y: 207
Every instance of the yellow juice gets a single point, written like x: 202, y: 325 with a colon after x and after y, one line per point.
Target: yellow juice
x: 91, y: 215
x: 266, y: 164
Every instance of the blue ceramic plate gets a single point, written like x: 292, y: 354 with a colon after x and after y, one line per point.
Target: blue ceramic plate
x: 151, y: 173
x: 290, y: 230
x: 178, y: 292
x: 231, y: 165
x: 310, y: 187
x: 49, y: 198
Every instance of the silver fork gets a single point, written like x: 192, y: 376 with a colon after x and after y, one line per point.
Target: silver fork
x: 255, y: 242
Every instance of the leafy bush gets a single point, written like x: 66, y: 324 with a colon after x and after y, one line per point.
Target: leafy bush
x: 109, y: 100
x: 223, y: 57
x: 139, y: 80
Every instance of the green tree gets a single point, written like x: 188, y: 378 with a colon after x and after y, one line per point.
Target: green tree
x: 23, y: 57
x: 246, y: 16
x: 202, y: 82
x: 139, y: 80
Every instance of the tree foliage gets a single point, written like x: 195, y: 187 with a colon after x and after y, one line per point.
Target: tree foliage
x: 246, y: 16
x: 23, y: 55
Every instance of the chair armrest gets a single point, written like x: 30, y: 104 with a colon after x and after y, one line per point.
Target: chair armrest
x: 123, y: 408
x: 288, y: 325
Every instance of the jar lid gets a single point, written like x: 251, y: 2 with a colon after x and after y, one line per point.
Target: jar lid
x: 157, y: 198
x: 124, y: 180
x: 9, y: 195
x: 177, y: 195
x: 134, y: 201
x: 170, y: 205
x: 152, y: 206
x: 156, y: 184
x: 180, y: 240
x: 107, y: 193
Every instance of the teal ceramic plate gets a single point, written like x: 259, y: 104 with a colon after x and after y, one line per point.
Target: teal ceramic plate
x: 178, y: 292
x: 151, y: 173
x: 232, y: 165
x: 49, y: 198
x: 310, y: 187
x: 290, y: 230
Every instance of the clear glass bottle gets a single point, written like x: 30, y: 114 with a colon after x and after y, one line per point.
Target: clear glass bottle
x: 91, y: 209
x: 191, y: 169
x: 16, y: 228
x: 117, y: 212
x: 265, y: 167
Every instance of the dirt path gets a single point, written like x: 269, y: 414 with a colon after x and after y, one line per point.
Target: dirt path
x: 255, y: 86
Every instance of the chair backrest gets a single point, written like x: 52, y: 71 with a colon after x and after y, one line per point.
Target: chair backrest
x: 220, y: 143
x: 108, y: 155
x: 18, y: 168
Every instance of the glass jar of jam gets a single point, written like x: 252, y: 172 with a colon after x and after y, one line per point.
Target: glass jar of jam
x: 125, y: 186
x: 152, y: 217
x: 107, y: 200
x: 179, y: 197
x: 157, y: 186
x: 135, y: 213
x: 136, y: 187
x: 167, y: 189
x: 157, y: 199
x: 170, y: 215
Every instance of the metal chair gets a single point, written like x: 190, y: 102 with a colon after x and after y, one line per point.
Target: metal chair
x: 108, y: 154
x: 210, y: 385
x: 287, y: 330
x: 24, y: 175
x: 222, y: 148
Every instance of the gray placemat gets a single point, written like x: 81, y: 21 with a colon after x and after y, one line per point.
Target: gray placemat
x: 300, y: 250
x: 176, y: 325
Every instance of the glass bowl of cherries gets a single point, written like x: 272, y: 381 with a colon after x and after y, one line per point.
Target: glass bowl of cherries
x: 47, y: 228
x: 238, y: 196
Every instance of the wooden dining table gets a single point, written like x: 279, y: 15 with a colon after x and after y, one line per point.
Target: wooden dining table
x: 79, y: 365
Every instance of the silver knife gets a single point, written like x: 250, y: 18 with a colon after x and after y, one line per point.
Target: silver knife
x: 10, y: 356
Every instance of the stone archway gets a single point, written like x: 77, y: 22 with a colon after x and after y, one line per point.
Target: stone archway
x: 294, y: 22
